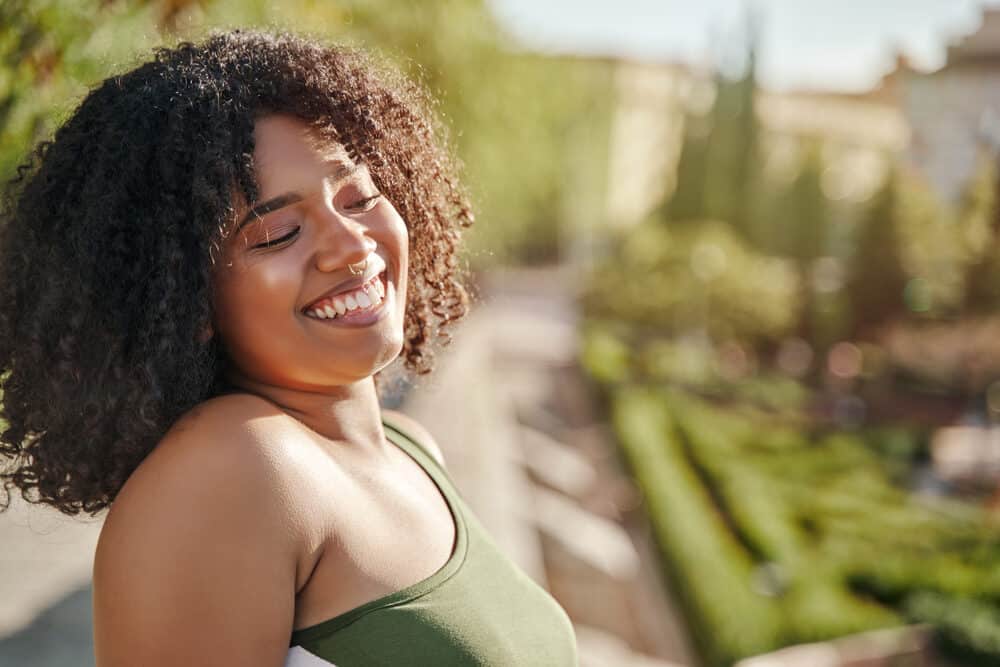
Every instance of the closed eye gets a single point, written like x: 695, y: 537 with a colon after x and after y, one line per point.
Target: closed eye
x: 366, y: 204
x: 278, y: 241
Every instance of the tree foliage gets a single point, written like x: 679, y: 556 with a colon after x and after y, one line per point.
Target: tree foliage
x: 695, y: 276
x: 532, y: 130
x: 877, y: 279
x: 980, y: 220
x: 718, y: 166
x: 733, y: 151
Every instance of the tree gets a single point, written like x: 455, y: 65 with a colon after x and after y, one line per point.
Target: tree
x: 980, y: 221
x: 515, y: 119
x: 717, y: 172
x: 877, y: 279
x: 688, y: 199
x: 799, y: 219
x: 732, y: 152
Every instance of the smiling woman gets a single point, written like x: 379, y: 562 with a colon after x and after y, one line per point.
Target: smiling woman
x: 321, y: 213
x: 201, y: 277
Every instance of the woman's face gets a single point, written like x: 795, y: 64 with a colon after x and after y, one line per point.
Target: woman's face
x: 286, y: 268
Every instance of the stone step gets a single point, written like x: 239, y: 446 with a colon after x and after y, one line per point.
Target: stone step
x: 602, y: 649
x: 602, y: 544
x: 556, y: 464
x: 909, y: 645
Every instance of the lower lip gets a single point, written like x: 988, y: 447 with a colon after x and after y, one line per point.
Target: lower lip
x: 363, y: 318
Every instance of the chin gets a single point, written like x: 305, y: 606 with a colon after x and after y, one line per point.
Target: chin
x: 391, y: 356
x: 377, y: 362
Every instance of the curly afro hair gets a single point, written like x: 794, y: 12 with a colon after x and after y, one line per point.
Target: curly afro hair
x: 109, y: 232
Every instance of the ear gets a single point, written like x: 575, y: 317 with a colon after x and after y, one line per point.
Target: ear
x: 207, y: 333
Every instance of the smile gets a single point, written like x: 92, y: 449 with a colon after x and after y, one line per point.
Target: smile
x: 361, y: 305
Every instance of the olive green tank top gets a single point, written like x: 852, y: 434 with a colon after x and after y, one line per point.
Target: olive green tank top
x: 479, y: 609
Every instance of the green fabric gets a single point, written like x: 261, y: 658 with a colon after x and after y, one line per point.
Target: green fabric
x: 478, y: 609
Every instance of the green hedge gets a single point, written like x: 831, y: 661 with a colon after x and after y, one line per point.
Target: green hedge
x: 712, y: 572
x: 774, y: 536
x: 967, y: 629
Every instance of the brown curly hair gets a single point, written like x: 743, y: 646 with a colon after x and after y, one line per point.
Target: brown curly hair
x: 109, y: 231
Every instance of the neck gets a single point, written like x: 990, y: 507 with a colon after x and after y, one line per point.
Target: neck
x: 348, y: 416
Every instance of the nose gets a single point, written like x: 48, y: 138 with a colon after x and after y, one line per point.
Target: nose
x: 342, y: 241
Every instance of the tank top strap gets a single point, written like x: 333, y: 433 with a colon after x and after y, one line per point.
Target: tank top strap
x: 404, y: 438
x: 477, y: 609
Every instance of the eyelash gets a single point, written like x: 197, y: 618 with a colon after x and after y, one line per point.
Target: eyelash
x: 362, y: 205
x: 278, y: 241
x: 366, y: 203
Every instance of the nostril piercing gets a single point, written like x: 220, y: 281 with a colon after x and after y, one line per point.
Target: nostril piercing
x: 359, y: 268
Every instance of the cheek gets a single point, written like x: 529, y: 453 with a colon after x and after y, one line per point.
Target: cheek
x: 401, y: 237
x: 250, y: 298
x: 404, y: 263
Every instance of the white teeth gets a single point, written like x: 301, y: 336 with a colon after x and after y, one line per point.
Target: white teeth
x: 370, y: 294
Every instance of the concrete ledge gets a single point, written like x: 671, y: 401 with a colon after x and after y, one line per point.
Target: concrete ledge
x: 908, y: 645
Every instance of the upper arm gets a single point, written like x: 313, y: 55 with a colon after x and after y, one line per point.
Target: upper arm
x: 196, y: 563
x: 415, y: 430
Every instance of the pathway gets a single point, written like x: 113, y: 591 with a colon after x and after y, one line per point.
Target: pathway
x: 523, y: 437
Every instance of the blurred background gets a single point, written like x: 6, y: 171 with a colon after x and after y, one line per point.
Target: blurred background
x: 731, y: 386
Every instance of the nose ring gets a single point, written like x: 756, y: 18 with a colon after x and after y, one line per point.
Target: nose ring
x: 359, y: 268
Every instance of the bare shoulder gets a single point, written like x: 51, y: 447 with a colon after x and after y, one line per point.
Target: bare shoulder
x: 199, y: 546
x: 416, y: 430
x: 221, y: 458
x: 233, y: 413
x: 224, y: 444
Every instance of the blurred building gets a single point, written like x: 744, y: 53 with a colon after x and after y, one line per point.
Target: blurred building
x: 954, y: 111
x: 937, y: 121
x: 857, y: 134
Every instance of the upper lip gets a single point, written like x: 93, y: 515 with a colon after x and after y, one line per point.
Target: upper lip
x: 376, y: 265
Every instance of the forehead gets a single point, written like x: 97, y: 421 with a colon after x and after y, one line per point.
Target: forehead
x: 287, y: 149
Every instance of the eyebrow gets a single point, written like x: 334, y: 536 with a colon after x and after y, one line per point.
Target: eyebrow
x: 340, y: 173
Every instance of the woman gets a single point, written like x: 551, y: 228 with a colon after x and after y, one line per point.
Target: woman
x: 202, y: 276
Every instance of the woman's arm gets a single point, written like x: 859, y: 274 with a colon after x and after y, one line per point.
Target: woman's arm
x: 196, y: 563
